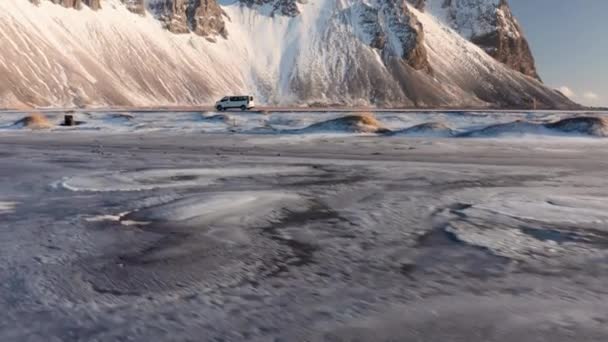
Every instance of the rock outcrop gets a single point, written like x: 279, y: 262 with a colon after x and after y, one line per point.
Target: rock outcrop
x: 287, y: 8
x: 508, y: 44
x: 135, y: 6
x: 173, y: 13
x: 489, y: 24
x: 206, y: 18
x: 77, y: 4
x: 393, y: 29
x: 203, y: 17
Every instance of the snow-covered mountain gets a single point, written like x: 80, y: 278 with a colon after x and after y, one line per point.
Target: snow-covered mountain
x: 287, y: 52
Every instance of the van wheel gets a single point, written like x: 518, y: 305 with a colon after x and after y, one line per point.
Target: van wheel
x: 218, y: 107
x: 243, y: 107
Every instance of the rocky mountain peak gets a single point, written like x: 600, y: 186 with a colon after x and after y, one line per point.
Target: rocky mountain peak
x: 489, y: 24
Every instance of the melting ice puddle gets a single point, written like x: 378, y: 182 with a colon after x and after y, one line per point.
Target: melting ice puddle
x: 166, y: 178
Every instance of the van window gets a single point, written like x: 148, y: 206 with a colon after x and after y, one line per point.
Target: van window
x: 224, y: 99
x: 234, y: 98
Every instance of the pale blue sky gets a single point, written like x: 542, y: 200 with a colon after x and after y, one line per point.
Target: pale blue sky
x: 569, y: 39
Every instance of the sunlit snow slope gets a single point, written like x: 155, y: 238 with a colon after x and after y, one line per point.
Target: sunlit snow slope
x: 347, y: 52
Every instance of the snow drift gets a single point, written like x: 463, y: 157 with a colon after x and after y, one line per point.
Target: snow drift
x: 581, y: 126
x: 381, y: 52
x: 428, y: 129
x: 578, y: 126
x: 362, y: 123
x: 587, y: 125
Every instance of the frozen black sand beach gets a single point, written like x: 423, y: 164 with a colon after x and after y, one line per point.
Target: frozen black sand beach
x: 108, y: 235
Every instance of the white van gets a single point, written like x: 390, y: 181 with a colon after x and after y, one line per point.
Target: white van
x: 243, y: 102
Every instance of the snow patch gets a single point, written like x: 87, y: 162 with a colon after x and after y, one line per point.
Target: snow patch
x: 7, y: 207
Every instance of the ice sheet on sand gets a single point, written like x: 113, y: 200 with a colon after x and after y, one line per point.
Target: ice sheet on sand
x: 223, y: 216
x: 165, y: 178
x: 232, y: 208
x: 7, y: 207
x: 523, y: 225
x: 554, y: 208
x: 523, y: 244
